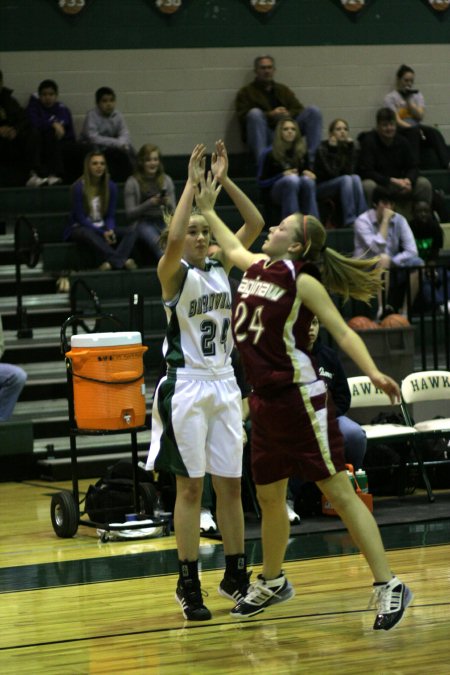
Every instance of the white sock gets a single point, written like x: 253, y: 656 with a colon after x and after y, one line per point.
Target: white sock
x: 272, y: 583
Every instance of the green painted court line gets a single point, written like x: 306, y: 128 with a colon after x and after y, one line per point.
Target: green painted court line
x: 158, y: 563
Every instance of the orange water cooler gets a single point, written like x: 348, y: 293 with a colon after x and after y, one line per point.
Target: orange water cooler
x: 108, y: 380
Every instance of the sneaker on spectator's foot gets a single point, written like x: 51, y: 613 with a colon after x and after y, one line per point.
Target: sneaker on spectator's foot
x: 391, y: 600
x: 35, y: 180
x: 189, y: 596
x: 105, y: 266
x: 54, y: 180
x: 385, y: 311
x: 262, y: 594
x: 235, y: 588
x: 63, y: 285
x: 294, y: 518
x: 207, y: 523
x: 130, y: 264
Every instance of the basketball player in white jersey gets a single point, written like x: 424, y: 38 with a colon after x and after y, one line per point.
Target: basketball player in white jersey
x: 197, y: 411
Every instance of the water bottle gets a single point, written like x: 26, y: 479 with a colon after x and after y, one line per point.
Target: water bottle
x: 163, y: 516
x: 351, y: 478
x: 158, y: 509
x: 361, y: 478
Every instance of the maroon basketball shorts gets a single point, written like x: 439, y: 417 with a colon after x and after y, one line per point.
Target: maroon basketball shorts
x: 295, y: 432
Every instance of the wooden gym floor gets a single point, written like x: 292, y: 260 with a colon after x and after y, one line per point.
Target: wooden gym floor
x: 80, y: 606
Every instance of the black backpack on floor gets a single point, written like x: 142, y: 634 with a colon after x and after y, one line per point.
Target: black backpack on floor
x: 112, y: 497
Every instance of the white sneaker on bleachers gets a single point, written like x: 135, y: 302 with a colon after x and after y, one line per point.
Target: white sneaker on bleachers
x: 35, y: 180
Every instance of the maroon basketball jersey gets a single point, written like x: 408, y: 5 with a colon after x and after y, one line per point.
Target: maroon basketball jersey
x: 270, y: 326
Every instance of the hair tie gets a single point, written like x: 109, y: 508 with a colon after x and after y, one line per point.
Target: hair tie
x: 323, y: 248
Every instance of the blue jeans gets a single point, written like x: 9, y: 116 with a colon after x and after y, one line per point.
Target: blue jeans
x: 12, y: 381
x: 149, y: 232
x: 93, y: 239
x: 260, y: 135
x: 355, y: 442
x: 295, y: 193
x: 351, y: 195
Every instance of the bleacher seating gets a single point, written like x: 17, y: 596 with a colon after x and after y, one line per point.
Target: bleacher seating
x: 43, y: 404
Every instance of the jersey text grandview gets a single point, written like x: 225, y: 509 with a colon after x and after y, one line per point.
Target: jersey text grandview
x: 209, y: 302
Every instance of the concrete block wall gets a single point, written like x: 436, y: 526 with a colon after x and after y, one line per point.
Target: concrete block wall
x: 178, y: 97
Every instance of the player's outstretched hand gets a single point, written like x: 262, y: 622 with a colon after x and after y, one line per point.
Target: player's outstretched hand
x: 207, y: 192
x: 219, y: 161
x: 388, y: 385
x: 196, y: 168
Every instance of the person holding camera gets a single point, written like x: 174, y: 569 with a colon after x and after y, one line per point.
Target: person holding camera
x: 409, y: 106
x: 148, y: 193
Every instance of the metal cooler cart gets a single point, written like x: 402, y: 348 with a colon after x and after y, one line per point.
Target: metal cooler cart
x: 116, y: 350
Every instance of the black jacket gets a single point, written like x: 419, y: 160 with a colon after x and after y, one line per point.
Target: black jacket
x: 11, y: 112
x: 335, y: 160
x: 332, y: 372
x: 380, y: 162
x: 269, y: 170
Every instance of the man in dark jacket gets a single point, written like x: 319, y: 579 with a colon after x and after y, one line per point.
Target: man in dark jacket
x: 18, y: 143
x: 386, y: 161
x: 263, y: 102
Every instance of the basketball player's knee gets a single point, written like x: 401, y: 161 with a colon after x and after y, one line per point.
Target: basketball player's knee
x: 190, y: 492
x: 269, y: 500
x: 342, y: 500
x: 234, y: 490
x: 227, y: 488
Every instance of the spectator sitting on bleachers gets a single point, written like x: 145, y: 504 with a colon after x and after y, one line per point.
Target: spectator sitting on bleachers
x: 262, y: 103
x: 92, y: 222
x: 409, y: 107
x: 335, y: 167
x: 430, y: 239
x: 12, y: 381
x: 148, y: 192
x: 19, y: 160
x: 105, y: 129
x: 283, y: 173
x: 386, y: 160
x: 382, y: 232
x: 60, y: 157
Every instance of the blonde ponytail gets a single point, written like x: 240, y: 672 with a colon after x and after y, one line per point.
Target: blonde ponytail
x: 358, y: 278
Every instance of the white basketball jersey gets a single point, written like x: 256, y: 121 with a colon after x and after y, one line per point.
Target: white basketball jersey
x: 199, y: 320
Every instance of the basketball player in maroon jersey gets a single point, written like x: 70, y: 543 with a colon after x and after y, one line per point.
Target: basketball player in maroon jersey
x: 294, y: 430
